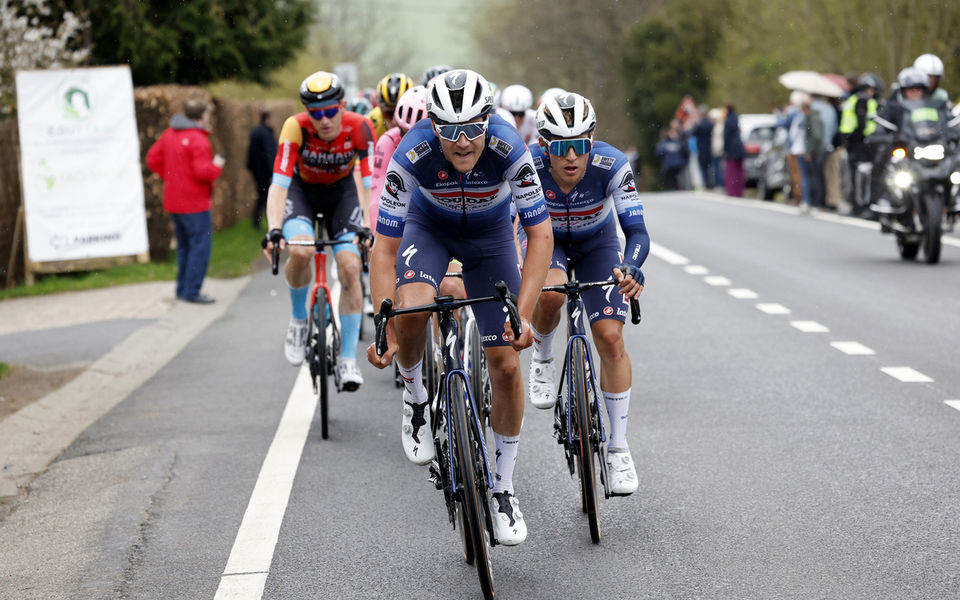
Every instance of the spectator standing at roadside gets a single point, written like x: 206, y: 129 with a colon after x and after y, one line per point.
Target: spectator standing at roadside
x: 260, y: 155
x: 672, y: 152
x: 703, y: 133
x: 815, y: 148
x: 184, y: 159
x: 734, y: 153
x: 797, y: 147
x: 829, y: 118
x: 716, y: 146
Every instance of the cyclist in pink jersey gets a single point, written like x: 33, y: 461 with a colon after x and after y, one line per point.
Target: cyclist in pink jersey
x: 411, y: 107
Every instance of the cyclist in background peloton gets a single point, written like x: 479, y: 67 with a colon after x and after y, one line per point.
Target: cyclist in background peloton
x: 312, y: 173
x: 389, y: 91
x: 584, y: 183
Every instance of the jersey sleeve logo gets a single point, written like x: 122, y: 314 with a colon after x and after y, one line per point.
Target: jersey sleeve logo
x: 418, y: 152
x: 627, y: 183
x: 526, y: 176
x: 394, y: 184
x: 499, y: 146
x: 604, y: 162
x: 537, y: 163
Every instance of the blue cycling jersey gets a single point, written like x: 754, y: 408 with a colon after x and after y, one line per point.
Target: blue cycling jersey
x: 419, y: 175
x: 608, y: 185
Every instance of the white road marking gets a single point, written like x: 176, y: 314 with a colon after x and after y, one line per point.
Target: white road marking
x: 742, y: 294
x: 246, y: 572
x: 855, y: 348
x: 716, y: 280
x: 696, y: 270
x: 953, y: 403
x: 668, y: 255
x: 810, y: 326
x: 906, y: 374
x: 772, y: 308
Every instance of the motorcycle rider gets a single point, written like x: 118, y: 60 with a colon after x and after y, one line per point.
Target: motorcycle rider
x: 931, y: 66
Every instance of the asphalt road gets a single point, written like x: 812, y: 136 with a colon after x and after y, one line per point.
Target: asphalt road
x: 772, y: 464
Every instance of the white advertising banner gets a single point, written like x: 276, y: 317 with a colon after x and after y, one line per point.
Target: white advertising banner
x: 80, y: 161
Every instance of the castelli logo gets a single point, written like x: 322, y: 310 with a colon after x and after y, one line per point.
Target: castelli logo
x: 442, y: 175
x: 505, y: 338
x: 551, y: 195
x: 608, y: 311
x: 409, y: 274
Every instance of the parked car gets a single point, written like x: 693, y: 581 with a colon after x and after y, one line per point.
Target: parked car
x: 773, y: 174
x: 755, y: 129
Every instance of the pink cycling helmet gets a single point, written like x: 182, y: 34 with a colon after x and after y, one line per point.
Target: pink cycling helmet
x: 411, y: 107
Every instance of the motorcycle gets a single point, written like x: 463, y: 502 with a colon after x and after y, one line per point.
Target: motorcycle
x: 922, y: 179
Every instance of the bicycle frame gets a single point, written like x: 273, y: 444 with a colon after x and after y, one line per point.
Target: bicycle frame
x: 575, y: 333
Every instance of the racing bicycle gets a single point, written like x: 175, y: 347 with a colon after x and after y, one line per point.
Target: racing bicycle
x: 323, y: 334
x: 461, y: 469
x: 578, y: 420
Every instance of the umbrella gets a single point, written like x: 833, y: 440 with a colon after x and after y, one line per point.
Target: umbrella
x: 812, y: 83
x: 839, y: 80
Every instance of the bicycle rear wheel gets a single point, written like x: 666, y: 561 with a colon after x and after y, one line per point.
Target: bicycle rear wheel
x: 581, y: 410
x: 319, y: 360
x: 469, y: 484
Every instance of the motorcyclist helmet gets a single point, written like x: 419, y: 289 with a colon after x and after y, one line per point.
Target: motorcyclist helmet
x: 869, y: 80
x: 459, y: 96
x: 411, y: 108
x: 912, y: 77
x: 321, y: 89
x: 565, y: 115
x: 929, y: 64
x: 516, y: 98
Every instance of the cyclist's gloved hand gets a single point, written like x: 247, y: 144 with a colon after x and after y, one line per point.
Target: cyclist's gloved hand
x: 632, y: 287
x: 274, y: 236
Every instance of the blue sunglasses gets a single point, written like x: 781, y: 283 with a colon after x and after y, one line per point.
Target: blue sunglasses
x: 580, y: 146
x: 452, y: 132
x: 321, y: 113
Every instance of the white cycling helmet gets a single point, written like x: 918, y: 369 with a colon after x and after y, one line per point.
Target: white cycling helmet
x: 565, y: 115
x: 459, y: 96
x: 516, y: 98
x: 411, y: 107
x: 929, y: 64
x: 550, y: 92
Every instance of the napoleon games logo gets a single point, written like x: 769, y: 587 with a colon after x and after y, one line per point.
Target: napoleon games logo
x: 526, y: 176
x: 394, y: 184
x: 627, y: 183
x: 76, y: 100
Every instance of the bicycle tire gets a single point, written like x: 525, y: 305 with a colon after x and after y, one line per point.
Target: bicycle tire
x: 476, y: 372
x: 431, y: 367
x: 469, y: 487
x: 320, y: 354
x: 578, y: 387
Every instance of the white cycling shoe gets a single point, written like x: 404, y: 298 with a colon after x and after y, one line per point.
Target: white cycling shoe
x: 541, y: 386
x: 415, y: 431
x: 350, y: 377
x: 508, y: 523
x: 295, y: 346
x: 623, y: 475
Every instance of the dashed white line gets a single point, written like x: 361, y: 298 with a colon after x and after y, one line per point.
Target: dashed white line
x: 668, y: 255
x: 772, y: 308
x: 810, y: 326
x: 906, y: 374
x: 953, y: 403
x: 854, y: 348
x: 696, y: 270
x: 716, y: 280
x: 246, y: 572
x: 743, y: 294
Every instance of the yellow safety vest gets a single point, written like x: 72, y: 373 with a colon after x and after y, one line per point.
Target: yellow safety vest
x: 848, y: 117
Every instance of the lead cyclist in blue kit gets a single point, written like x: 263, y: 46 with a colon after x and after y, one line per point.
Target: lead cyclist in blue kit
x: 585, y: 182
x: 447, y: 192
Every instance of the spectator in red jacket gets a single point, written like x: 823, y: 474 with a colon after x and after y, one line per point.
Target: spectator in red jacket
x: 183, y: 158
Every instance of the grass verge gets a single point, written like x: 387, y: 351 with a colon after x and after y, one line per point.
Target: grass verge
x: 4, y: 369
x: 234, y: 251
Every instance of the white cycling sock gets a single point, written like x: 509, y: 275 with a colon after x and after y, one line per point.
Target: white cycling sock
x: 506, y: 460
x: 413, y: 382
x: 542, y: 344
x: 617, y: 406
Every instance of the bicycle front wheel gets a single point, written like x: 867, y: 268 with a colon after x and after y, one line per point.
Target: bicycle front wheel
x: 319, y: 366
x: 431, y: 364
x: 469, y: 482
x: 582, y: 409
x: 476, y: 365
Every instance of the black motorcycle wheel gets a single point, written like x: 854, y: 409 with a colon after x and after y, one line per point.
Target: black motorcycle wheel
x: 908, y: 249
x: 932, y: 230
